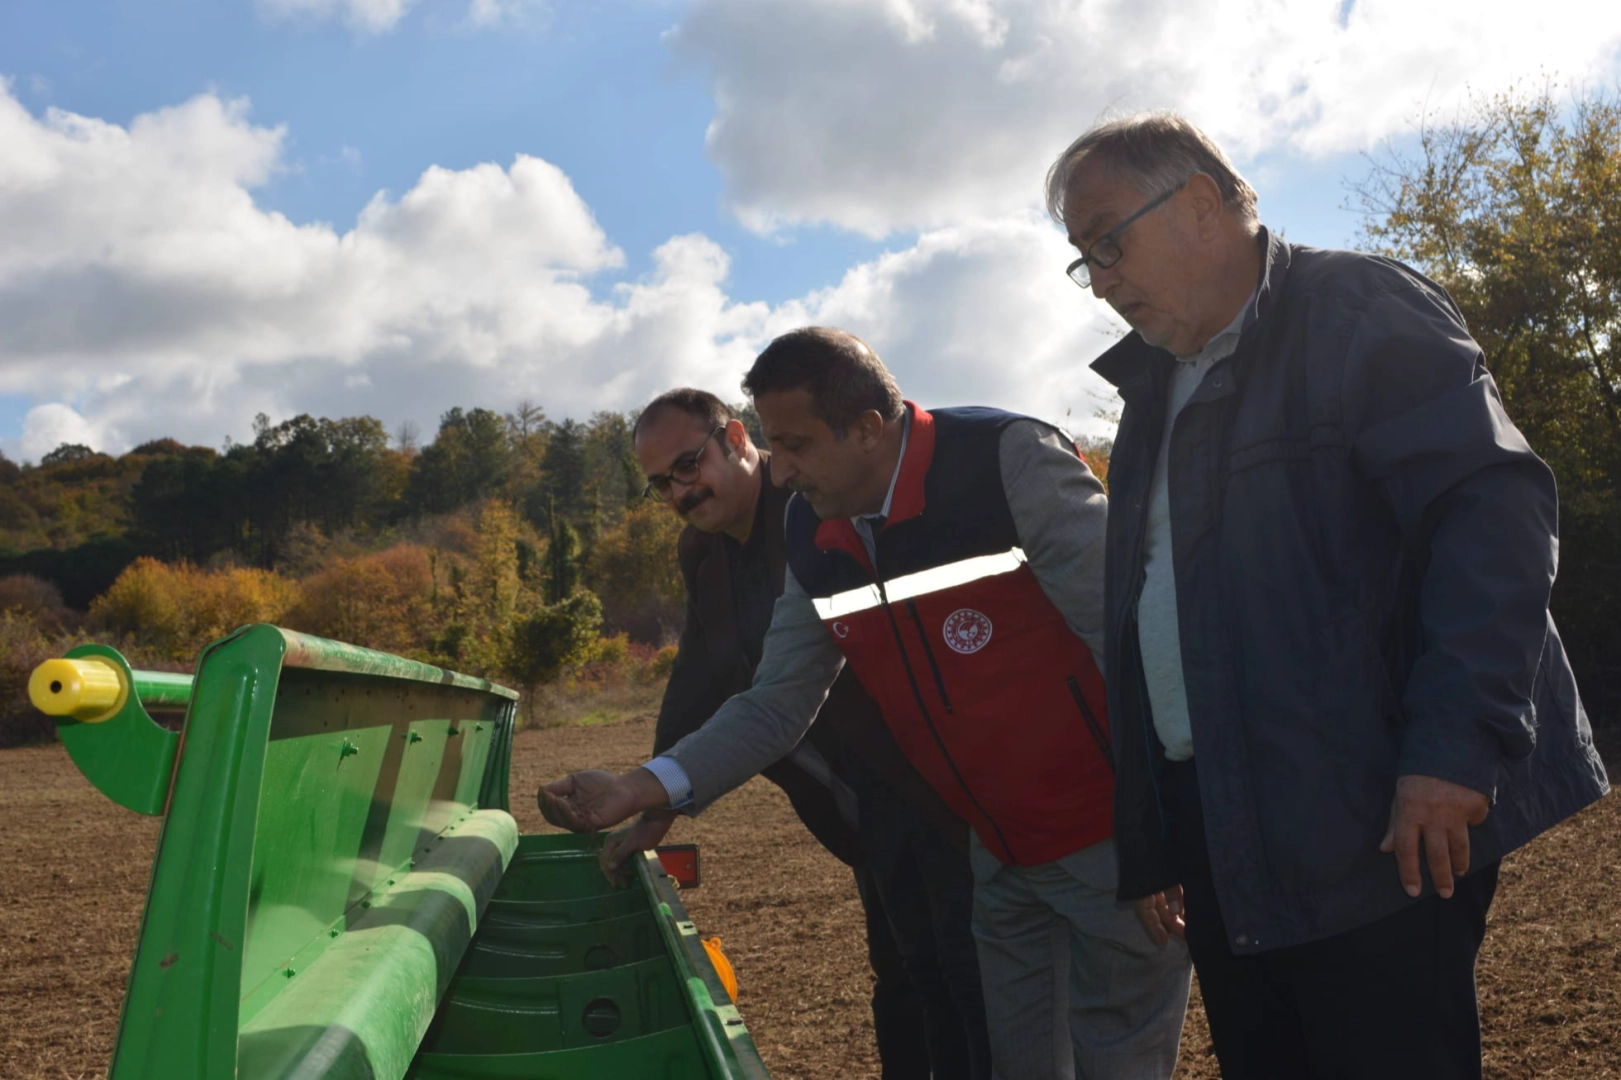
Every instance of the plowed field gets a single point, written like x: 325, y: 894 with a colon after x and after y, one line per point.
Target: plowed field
x: 73, y: 872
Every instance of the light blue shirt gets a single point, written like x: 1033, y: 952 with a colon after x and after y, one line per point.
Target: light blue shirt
x: 1159, y: 634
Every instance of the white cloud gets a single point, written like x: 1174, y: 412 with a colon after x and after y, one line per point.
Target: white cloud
x: 370, y: 16
x: 381, y: 16
x: 496, y: 13
x: 915, y: 113
x: 143, y: 292
x: 978, y: 314
x: 48, y: 426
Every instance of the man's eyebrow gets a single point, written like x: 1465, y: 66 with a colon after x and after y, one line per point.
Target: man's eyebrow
x: 674, y: 462
x: 1093, y: 225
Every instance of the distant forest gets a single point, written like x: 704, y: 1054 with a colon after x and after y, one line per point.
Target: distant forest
x: 78, y: 517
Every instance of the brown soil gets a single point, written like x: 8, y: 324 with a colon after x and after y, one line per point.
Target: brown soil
x: 73, y: 872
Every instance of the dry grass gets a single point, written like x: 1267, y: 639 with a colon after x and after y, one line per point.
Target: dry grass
x: 73, y: 872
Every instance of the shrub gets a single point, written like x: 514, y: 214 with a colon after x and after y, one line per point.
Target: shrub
x: 662, y: 662
x: 381, y: 601
x: 36, y: 600
x: 176, y: 609
x: 23, y: 647
x: 553, y: 639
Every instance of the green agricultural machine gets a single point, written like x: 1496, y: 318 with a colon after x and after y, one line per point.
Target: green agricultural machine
x: 340, y: 892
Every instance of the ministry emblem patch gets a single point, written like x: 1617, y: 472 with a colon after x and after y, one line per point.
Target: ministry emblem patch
x: 967, y: 631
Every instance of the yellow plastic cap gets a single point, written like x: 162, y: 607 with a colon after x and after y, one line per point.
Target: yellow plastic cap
x: 86, y: 690
x: 723, y: 966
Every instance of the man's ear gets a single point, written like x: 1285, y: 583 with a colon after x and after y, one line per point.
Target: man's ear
x: 868, y: 429
x: 1207, y: 203
x: 735, y: 438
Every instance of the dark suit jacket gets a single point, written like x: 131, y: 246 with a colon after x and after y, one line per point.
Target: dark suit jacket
x: 712, y: 665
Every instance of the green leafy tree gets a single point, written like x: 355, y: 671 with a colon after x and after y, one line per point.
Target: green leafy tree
x: 562, y: 560
x: 563, y: 489
x: 468, y: 460
x: 547, y: 642
x: 67, y: 454
x: 1515, y: 208
x: 634, y: 570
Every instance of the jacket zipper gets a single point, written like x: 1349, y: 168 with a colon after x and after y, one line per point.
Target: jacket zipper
x: 939, y: 683
x: 928, y: 720
x: 1092, y: 725
x: 1128, y: 618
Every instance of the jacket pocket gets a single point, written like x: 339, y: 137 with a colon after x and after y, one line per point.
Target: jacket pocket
x: 1090, y: 718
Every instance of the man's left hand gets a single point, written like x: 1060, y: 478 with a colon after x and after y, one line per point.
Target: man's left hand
x: 1436, y: 813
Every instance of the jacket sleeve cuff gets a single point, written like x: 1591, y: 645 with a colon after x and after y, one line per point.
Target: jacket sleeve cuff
x: 669, y: 772
x: 1460, y: 756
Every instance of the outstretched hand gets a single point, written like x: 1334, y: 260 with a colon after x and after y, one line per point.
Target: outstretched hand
x: 1435, y: 814
x: 592, y: 800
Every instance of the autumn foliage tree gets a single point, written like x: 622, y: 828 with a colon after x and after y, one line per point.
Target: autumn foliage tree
x: 1515, y: 208
x: 177, y: 608
x: 634, y: 570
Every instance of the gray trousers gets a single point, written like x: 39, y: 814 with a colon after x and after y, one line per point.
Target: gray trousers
x: 1074, y: 987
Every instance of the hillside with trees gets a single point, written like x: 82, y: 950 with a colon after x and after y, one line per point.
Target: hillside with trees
x: 508, y: 545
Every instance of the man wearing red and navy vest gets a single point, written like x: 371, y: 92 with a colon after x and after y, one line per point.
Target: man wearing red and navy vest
x: 953, y: 559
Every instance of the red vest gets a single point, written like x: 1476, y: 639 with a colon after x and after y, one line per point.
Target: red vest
x: 991, y: 696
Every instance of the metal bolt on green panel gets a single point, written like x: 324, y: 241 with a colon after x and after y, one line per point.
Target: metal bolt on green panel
x: 297, y: 924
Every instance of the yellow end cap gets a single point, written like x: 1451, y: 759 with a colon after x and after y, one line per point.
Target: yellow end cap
x: 86, y: 690
x: 723, y: 966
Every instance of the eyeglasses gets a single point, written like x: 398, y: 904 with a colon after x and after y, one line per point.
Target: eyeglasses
x: 685, y: 471
x: 1105, y: 251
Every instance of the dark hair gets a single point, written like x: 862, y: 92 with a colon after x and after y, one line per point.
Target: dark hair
x: 699, y: 404
x: 1155, y: 151
x: 844, y: 376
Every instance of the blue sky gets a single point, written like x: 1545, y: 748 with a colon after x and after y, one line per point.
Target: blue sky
x: 221, y: 207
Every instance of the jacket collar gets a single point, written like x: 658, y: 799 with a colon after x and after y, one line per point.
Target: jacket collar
x: 1133, y: 365
x: 906, y: 502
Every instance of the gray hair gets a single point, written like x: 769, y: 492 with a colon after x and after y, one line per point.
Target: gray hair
x: 1155, y: 151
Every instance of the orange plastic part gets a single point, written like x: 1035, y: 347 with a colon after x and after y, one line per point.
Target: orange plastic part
x: 723, y: 966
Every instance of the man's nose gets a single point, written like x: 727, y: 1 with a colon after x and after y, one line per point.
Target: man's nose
x: 1102, y: 279
x: 782, y: 470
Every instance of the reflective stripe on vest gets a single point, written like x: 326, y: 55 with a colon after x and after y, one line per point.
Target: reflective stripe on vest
x: 909, y: 586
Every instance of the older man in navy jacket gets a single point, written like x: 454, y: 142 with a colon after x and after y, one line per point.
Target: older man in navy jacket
x: 1338, y: 697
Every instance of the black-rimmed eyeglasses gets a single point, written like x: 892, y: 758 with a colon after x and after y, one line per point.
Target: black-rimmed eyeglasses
x: 685, y: 471
x: 1105, y: 251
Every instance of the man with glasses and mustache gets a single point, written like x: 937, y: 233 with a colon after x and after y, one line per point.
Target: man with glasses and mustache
x: 847, y: 780
x: 1338, y: 696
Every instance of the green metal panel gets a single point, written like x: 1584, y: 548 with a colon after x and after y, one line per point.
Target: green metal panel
x: 129, y: 758
x: 306, y: 651
x: 289, y: 809
x: 302, y: 883
x: 180, y: 1010
x: 364, y: 1005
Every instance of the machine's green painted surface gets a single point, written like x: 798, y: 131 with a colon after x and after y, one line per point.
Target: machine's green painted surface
x: 162, y: 689
x: 306, y: 651
x: 340, y: 893
x: 372, y: 993
x: 129, y: 757
x: 571, y: 978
